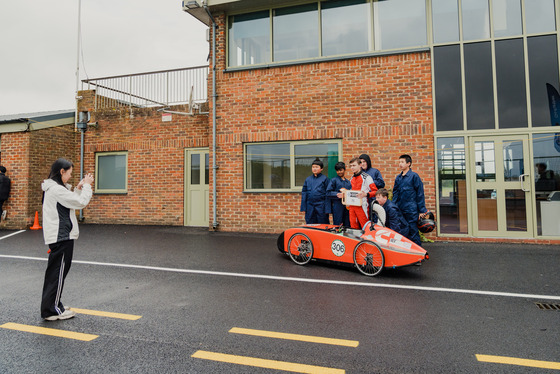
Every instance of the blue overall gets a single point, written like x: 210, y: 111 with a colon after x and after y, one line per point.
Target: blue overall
x: 394, y: 219
x: 314, y: 199
x: 340, y: 214
x: 376, y: 176
x: 408, y: 194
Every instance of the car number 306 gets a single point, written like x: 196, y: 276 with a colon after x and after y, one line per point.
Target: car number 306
x: 338, y: 248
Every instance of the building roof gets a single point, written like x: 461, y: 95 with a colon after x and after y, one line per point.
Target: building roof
x: 35, y: 121
x: 228, y: 6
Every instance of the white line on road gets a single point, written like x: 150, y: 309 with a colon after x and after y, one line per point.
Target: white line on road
x: 305, y: 280
x: 12, y: 234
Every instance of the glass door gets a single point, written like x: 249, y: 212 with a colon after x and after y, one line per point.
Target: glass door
x: 501, y: 181
x: 197, y: 187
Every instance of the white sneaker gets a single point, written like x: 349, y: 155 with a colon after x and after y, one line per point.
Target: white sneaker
x: 4, y: 214
x: 67, y: 314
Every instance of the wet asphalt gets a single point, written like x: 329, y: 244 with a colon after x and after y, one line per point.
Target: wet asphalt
x: 191, y: 287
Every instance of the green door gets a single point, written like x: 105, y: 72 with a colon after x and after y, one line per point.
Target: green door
x: 501, y: 192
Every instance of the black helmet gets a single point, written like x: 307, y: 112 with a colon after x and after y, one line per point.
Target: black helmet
x: 427, y: 223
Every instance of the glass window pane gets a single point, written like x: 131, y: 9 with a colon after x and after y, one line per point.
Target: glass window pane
x: 345, y: 27
x: 305, y: 154
x: 452, y: 186
x: 249, y: 39
x: 539, y: 16
x: 507, y: 17
x: 195, y: 168
x: 485, y: 161
x: 487, y: 209
x: 268, y: 166
x: 445, y: 21
x: 111, y: 172
x: 546, y: 154
x: 516, y: 210
x: 447, y: 82
x: 476, y: 19
x: 399, y: 24
x: 207, y: 169
x: 513, y: 160
x: 510, y: 77
x: 296, y: 33
x: 543, y: 69
x: 479, y: 86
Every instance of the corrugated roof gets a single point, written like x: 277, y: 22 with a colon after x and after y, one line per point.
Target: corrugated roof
x: 43, y: 115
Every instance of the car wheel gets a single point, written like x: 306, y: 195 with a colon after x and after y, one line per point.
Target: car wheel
x: 368, y: 258
x: 300, y: 249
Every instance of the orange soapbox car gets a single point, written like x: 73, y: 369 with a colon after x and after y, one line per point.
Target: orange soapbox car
x: 370, y: 249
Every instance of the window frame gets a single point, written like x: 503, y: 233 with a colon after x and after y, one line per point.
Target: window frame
x: 292, y: 143
x: 372, y: 51
x: 111, y: 191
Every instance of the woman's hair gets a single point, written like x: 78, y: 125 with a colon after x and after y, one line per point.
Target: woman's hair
x: 59, y: 164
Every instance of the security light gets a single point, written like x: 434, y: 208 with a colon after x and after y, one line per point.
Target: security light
x: 191, y: 4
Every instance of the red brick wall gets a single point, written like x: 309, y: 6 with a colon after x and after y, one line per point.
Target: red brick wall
x: 155, y: 162
x: 381, y: 106
x: 28, y: 157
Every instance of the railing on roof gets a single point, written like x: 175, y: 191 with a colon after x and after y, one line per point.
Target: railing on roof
x: 154, y: 89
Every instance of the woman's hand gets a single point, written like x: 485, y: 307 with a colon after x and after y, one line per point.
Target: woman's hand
x: 88, y: 179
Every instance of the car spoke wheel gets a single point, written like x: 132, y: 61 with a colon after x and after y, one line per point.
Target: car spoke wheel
x: 300, y: 249
x: 368, y: 258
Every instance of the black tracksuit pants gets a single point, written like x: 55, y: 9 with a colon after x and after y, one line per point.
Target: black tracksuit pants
x: 58, y: 266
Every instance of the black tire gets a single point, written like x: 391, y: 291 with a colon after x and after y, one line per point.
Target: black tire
x: 300, y: 249
x: 368, y: 258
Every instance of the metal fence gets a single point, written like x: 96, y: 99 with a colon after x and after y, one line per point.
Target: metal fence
x: 154, y: 89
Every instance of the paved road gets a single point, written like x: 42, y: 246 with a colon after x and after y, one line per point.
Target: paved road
x: 191, y: 288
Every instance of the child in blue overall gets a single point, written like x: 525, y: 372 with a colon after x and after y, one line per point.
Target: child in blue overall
x: 340, y: 213
x: 314, y: 195
x: 408, y: 194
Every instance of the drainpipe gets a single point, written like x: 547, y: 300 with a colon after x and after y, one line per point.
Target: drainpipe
x: 214, y: 96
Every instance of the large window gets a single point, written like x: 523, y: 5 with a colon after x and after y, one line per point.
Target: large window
x: 501, y: 75
x: 249, y: 40
x: 285, y: 165
x: 111, y: 172
x: 345, y: 27
x: 324, y: 29
x: 399, y: 24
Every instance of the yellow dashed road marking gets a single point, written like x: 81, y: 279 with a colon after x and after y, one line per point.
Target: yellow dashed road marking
x: 519, y: 362
x: 98, y: 313
x: 49, y: 331
x: 303, y: 338
x: 267, y: 364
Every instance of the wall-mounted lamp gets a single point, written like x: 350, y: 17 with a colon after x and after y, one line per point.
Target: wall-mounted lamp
x: 191, y: 4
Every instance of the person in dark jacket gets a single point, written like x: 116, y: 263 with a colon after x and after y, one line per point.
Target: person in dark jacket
x: 314, y: 195
x: 394, y: 219
x: 408, y: 194
x: 340, y: 213
x: 365, y: 163
x: 5, y: 186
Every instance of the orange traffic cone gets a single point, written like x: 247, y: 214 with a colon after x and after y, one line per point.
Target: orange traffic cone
x: 36, y: 225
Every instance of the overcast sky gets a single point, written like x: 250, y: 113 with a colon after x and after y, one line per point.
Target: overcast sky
x: 38, y: 46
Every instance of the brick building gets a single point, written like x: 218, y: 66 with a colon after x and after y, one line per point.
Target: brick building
x: 468, y: 89
x: 29, y: 143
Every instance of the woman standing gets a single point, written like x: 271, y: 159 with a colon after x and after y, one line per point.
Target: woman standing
x: 60, y: 229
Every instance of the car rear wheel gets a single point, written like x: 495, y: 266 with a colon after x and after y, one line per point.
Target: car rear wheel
x: 300, y: 249
x: 368, y: 258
